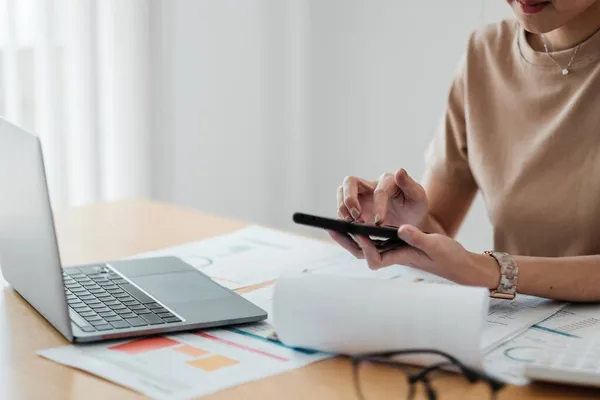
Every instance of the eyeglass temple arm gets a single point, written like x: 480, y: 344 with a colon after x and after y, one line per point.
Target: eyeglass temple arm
x: 471, y: 374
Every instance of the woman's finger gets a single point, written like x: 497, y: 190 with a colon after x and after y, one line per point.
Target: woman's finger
x: 373, y: 256
x: 385, y: 189
x: 347, y: 243
x: 352, y: 187
x: 418, y: 239
x: 343, y: 212
x: 409, y: 187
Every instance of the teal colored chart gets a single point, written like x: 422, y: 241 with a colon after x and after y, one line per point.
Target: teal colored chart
x: 526, y: 354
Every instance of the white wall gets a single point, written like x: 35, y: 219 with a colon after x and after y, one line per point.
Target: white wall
x: 218, y: 103
x: 494, y: 10
x: 269, y: 104
x: 231, y: 106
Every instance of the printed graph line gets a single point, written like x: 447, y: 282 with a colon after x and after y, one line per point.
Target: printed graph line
x: 509, y: 353
x: 276, y: 342
x: 543, y: 328
x: 240, y: 346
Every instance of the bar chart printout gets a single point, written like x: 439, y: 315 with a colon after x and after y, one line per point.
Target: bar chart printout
x: 185, y: 365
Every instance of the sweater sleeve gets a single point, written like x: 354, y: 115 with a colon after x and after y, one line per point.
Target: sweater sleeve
x: 447, y: 154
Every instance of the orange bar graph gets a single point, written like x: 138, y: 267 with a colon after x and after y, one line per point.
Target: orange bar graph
x: 144, y: 345
x: 213, y: 363
x: 190, y: 350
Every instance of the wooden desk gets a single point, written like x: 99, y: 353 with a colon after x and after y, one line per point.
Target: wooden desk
x: 111, y: 231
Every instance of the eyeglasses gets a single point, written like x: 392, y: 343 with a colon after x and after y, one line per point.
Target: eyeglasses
x: 423, y: 375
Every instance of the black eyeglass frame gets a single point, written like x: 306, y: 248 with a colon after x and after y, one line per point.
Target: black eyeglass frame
x: 471, y: 374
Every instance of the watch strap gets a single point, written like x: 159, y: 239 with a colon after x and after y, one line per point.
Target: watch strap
x: 509, y: 275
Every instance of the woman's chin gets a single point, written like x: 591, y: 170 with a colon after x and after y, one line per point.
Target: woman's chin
x: 545, y: 21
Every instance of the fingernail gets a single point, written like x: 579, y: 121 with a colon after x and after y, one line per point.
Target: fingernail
x: 349, y: 218
x: 404, y: 234
x: 377, y: 219
x: 354, y: 213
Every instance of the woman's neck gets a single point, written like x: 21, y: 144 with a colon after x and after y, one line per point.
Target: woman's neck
x: 571, y: 34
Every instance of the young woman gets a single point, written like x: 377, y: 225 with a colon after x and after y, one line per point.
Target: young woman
x: 522, y: 125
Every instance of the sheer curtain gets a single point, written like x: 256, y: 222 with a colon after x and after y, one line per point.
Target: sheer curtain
x: 76, y: 73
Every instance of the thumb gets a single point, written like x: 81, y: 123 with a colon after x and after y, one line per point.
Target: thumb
x: 410, y: 188
x: 416, y: 238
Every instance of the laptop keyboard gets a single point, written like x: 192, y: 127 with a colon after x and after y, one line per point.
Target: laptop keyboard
x: 101, y: 300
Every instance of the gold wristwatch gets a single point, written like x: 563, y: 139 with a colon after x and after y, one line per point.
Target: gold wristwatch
x: 509, y: 276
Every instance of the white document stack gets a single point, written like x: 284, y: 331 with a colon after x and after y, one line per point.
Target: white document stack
x: 353, y: 316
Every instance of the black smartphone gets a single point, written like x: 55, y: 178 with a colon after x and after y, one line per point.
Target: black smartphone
x: 385, y: 237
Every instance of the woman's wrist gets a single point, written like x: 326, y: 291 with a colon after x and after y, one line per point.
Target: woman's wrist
x: 487, y: 272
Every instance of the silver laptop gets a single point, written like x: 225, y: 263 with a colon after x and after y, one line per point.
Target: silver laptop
x: 97, y: 301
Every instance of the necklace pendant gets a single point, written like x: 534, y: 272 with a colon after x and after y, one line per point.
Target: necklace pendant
x: 564, y: 71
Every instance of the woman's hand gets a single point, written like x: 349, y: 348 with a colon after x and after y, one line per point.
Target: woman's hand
x: 393, y: 199
x: 434, y: 253
x: 399, y: 200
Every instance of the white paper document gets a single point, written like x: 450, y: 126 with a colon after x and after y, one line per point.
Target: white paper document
x: 255, y: 255
x: 346, y: 315
x: 353, y: 316
x: 575, y: 320
x: 343, y: 263
x: 508, y: 361
x: 507, y: 319
x: 184, y: 366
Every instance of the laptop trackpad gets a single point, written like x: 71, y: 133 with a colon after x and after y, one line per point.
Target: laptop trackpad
x: 180, y: 287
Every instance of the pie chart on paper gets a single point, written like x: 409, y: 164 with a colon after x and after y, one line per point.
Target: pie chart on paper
x: 522, y: 354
